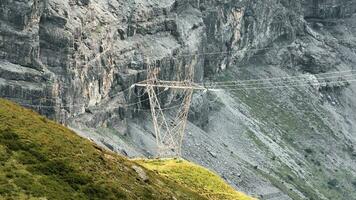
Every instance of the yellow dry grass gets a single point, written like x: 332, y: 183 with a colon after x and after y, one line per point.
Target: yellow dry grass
x: 195, y: 177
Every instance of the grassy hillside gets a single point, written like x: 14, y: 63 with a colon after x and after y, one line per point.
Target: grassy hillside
x: 195, y: 177
x: 40, y: 159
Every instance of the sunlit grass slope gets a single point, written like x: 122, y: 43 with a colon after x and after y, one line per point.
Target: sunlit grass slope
x: 195, y: 177
x: 40, y: 159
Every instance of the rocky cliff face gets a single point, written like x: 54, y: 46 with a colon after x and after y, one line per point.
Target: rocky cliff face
x: 75, y: 60
x: 89, y: 49
x: 328, y: 9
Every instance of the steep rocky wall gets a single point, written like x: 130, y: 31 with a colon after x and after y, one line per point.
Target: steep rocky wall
x: 19, y: 32
x: 327, y: 9
x: 95, y: 48
x: 75, y: 60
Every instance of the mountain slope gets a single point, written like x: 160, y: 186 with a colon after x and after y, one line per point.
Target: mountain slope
x: 41, y: 159
x: 74, y: 61
x: 193, y: 176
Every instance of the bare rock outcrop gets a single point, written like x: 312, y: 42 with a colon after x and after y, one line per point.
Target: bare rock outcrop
x: 75, y: 60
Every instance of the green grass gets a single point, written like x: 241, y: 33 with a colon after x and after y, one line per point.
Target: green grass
x: 195, y: 177
x: 40, y: 159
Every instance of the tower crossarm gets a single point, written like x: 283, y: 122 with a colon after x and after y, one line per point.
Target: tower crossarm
x: 171, y: 85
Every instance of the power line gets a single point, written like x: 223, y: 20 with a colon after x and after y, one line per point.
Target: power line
x: 171, y: 107
x: 177, y: 85
x: 80, y: 106
x: 223, y: 87
x: 282, y: 81
x: 286, y: 86
x: 286, y: 77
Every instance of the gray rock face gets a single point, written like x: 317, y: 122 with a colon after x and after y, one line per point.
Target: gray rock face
x: 75, y: 60
x: 328, y: 9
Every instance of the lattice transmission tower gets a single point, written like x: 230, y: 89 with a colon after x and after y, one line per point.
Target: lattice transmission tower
x: 170, y: 131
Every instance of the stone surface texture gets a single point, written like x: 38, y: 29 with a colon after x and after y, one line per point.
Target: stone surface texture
x: 75, y: 60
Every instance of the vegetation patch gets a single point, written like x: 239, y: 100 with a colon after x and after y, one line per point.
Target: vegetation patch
x: 194, y: 177
x: 41, y: 159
